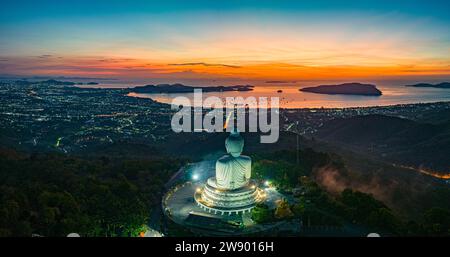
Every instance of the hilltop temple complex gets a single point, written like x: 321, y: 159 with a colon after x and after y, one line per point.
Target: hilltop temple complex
x: 216, y: 197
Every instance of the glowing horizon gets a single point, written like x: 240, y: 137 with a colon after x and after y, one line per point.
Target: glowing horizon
x: 198, y: 41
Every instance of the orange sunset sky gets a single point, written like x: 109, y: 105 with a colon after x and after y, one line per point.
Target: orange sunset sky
x: 269, y: 41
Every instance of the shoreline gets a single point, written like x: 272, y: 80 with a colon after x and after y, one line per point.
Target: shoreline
x: 137, y: 95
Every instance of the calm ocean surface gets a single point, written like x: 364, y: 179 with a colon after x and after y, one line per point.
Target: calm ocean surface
x: 291, y: 97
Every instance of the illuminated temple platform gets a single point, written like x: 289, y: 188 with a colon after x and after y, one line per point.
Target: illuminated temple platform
x: 180, y: 207
x: 228, y: 202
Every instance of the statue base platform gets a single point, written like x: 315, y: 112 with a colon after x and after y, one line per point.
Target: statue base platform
x: 227, y: 202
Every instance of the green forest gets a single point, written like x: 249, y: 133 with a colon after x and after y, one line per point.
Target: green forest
x: 54, y: 194
x: 51, y: 194
x: 316, y: 207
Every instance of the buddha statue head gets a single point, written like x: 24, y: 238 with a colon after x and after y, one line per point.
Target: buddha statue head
x: 234, y: 144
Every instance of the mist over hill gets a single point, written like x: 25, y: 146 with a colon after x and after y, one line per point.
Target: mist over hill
x: 422, y: 145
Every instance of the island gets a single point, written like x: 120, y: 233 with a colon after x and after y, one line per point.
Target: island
x: 439, y: 85
x: 180, y: 88
x: 345, y: 89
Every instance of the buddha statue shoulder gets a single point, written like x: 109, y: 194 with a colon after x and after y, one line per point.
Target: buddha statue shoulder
x: 233, y: 170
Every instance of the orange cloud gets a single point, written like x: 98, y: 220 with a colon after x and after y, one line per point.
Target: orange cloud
x: 127, y: 67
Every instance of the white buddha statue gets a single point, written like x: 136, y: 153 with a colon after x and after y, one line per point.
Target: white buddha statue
x: 233, y: 170
x: 231, y: 191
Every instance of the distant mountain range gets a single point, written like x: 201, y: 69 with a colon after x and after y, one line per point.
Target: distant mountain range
x: 439, y: 85
x: 395, y: 139
x: 180, y: 88
x: 345, y: 89
x: 52, y: 82
x: 42, y: 78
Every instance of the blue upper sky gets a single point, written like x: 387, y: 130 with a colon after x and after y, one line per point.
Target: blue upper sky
x: 19, y: 10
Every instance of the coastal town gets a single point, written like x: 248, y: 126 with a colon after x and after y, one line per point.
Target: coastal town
x: 59, y: 117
